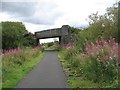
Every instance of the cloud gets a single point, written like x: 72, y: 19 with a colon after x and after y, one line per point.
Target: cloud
x: 45, y: 14
x: 32, y: 12
x: 18, y: 9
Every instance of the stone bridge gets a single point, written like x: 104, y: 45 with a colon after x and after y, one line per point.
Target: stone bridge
x: 63, y: 34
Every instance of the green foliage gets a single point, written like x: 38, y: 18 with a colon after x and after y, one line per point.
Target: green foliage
x: 81, y: 70
x: 72, y: 72
x: 84, y: 67
x: 103, y: 73
x: 51, y: 46
x: 100, y: 26
x: 29, y: 40
x: 16, y: 66
x: 14, y: 35
x: 105, y: 25
x: 68, y: 53
x: 81, y: 83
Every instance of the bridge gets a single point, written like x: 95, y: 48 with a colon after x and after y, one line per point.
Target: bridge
x: 63, y: 33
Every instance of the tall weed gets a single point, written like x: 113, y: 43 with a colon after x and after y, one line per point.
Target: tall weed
x: 97, y: 63
x: 12, y: 60
x: 100, y: 62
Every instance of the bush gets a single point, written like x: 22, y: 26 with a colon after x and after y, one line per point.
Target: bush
x: 102, y: 72
x: 14, y: 35
x: 95, y: 52
x: 100, y: 61
x: 97, y: 63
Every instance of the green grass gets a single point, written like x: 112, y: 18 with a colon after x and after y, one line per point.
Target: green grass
x: 18, y: 73
x: 80, y: 83
x: 74, y: 80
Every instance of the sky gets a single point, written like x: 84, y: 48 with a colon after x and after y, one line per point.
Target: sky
x: 39, y: 15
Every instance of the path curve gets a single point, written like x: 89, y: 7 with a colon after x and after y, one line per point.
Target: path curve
x: 47, y: 74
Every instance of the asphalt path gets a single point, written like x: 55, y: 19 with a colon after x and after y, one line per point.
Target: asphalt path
x: 47, y: 74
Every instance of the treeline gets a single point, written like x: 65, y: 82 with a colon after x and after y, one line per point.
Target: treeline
x: 14, y: 35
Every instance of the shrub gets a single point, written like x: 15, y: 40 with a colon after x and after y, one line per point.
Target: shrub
x: 97, y: 63
x: 100, y: 62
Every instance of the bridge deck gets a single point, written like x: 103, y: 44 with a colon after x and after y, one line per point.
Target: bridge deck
x: 49, y: 33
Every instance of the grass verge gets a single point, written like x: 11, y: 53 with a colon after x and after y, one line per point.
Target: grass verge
x: 18, y: 73
x: 74, y: 80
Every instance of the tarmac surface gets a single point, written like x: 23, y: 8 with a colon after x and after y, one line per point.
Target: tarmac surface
x: 47, y: 74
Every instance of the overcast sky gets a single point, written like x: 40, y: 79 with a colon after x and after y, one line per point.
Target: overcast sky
x: 45, y: 14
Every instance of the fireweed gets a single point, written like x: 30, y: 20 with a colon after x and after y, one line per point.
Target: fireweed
x: 17, y: 63
x: 99, y: 62
x: 15, y: 51
x: 107, y: 49
x: 12, y: 51
x: 68, y: 46
x: 16, y: 58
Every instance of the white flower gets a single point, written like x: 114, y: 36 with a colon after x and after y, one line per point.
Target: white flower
x: 110, y: 57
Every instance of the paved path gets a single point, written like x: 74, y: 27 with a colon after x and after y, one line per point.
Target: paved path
x: 47, y: 74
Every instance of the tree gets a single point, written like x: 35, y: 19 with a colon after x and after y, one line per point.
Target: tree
x: 29, y: 39
x: 13, y: 35
x: 105, y: 25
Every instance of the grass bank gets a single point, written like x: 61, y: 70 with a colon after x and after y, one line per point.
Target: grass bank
x: 88, y: 73
x: 74, y: 78
x: 16, y: 66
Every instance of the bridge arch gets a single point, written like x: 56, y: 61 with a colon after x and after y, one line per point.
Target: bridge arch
x: 63, y: 33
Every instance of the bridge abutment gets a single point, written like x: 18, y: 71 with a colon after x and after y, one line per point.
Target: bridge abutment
x: 37, y: 42
x: 64, y: 40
